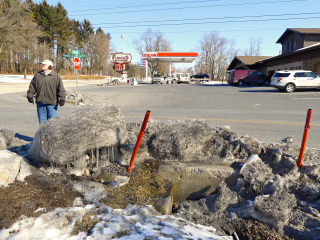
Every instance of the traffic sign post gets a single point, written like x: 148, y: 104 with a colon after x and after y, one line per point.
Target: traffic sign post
x: 76, y: 62
x: 76, y: 65
x: 71, y: 55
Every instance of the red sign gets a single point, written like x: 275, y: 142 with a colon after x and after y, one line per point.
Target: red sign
x: 121, y: 58
x: 150, y: 54
x: 76, y: 63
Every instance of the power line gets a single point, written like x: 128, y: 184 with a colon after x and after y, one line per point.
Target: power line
x: 197, y: 19
x: 189, y: 31
x: 146, y: 5
x: 191, y: 7
x: 193, y: 23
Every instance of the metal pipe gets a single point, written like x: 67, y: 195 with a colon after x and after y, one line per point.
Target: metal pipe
x: 136, y: 147
x: 304, y: 139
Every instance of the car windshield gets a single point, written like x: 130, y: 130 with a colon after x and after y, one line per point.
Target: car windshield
x: 281, y: 74
x: 157, y: 75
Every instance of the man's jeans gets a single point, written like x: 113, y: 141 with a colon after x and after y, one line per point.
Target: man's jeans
x: 46, y: 111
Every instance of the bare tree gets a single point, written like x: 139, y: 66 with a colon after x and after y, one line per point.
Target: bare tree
x: 254, y: 47
x: 99, y: 48
x: 215, y: 53
x: 153, y: 41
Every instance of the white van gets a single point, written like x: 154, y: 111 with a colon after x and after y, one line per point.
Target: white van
x: 183, y: 78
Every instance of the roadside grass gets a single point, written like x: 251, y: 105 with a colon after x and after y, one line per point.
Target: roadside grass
x: 82, y: 77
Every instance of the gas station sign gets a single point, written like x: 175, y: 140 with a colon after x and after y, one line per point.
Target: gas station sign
x: 121, y: 58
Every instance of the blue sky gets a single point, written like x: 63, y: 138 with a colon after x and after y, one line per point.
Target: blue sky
x: 184, y: 22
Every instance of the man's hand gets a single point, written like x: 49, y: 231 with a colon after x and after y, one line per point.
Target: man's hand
x: 62, y: 102
x: 30, y: 100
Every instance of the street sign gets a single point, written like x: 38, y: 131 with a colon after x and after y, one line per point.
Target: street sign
x: 82, y: 56
x: 75, y: 51
x: 71, y: 55
x: 76, y: 63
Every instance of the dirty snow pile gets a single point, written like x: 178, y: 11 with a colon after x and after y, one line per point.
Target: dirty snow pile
x: 132, y: 223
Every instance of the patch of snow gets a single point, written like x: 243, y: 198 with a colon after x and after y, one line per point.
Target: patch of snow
x: 133, y: 222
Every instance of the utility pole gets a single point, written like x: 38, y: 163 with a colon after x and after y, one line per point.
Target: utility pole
x: 122, y: 36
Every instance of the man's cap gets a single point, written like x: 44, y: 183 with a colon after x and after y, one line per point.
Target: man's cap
x: 47, y: 62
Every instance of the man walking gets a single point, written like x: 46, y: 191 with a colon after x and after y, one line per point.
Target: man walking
x: 48, y: 90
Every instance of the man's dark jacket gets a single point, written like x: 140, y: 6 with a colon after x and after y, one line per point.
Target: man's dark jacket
x: 47, y: 89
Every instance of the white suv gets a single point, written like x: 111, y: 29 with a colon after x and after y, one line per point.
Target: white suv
x: 289, y: 80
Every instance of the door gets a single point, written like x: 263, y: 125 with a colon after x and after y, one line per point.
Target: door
x: 313, y: 81
x: 300, y: 79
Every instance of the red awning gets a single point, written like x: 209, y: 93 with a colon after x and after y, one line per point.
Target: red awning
x: 174, y: 57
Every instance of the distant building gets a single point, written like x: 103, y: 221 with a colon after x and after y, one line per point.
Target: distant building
x: 300, y: 50
x: 246, y: 62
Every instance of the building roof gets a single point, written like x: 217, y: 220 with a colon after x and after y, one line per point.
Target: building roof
x: 302, y: 31
x: 245, y: 61
x: 249, y: 60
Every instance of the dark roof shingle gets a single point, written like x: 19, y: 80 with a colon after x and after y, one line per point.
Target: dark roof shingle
x: 299, y: 30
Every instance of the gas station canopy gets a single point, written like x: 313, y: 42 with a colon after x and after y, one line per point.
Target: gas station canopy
x: 172, y: 57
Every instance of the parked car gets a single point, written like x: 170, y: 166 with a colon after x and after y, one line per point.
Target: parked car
x: 183, y: 78
x: 249, y: 77
x: 290, y: 80
x: 199, y: 77
x: 158, y: 78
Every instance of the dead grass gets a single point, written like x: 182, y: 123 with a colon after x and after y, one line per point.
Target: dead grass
x: 24, y: 198
x: 145, y: 188
x: 82, y: 77
x: 251, y: 229
x: 87, y: 223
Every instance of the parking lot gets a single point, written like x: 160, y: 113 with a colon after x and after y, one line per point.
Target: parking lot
x: 258, y: 111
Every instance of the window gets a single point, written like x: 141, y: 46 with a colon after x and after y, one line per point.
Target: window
x: 294, y: 45
x: 311, y: 74
x: 260, y: 73
x: 281, y: 74
x: 291, y: 45
x: 299, y: 74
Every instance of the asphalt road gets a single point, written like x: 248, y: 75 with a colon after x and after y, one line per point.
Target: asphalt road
x: 256, y: 111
